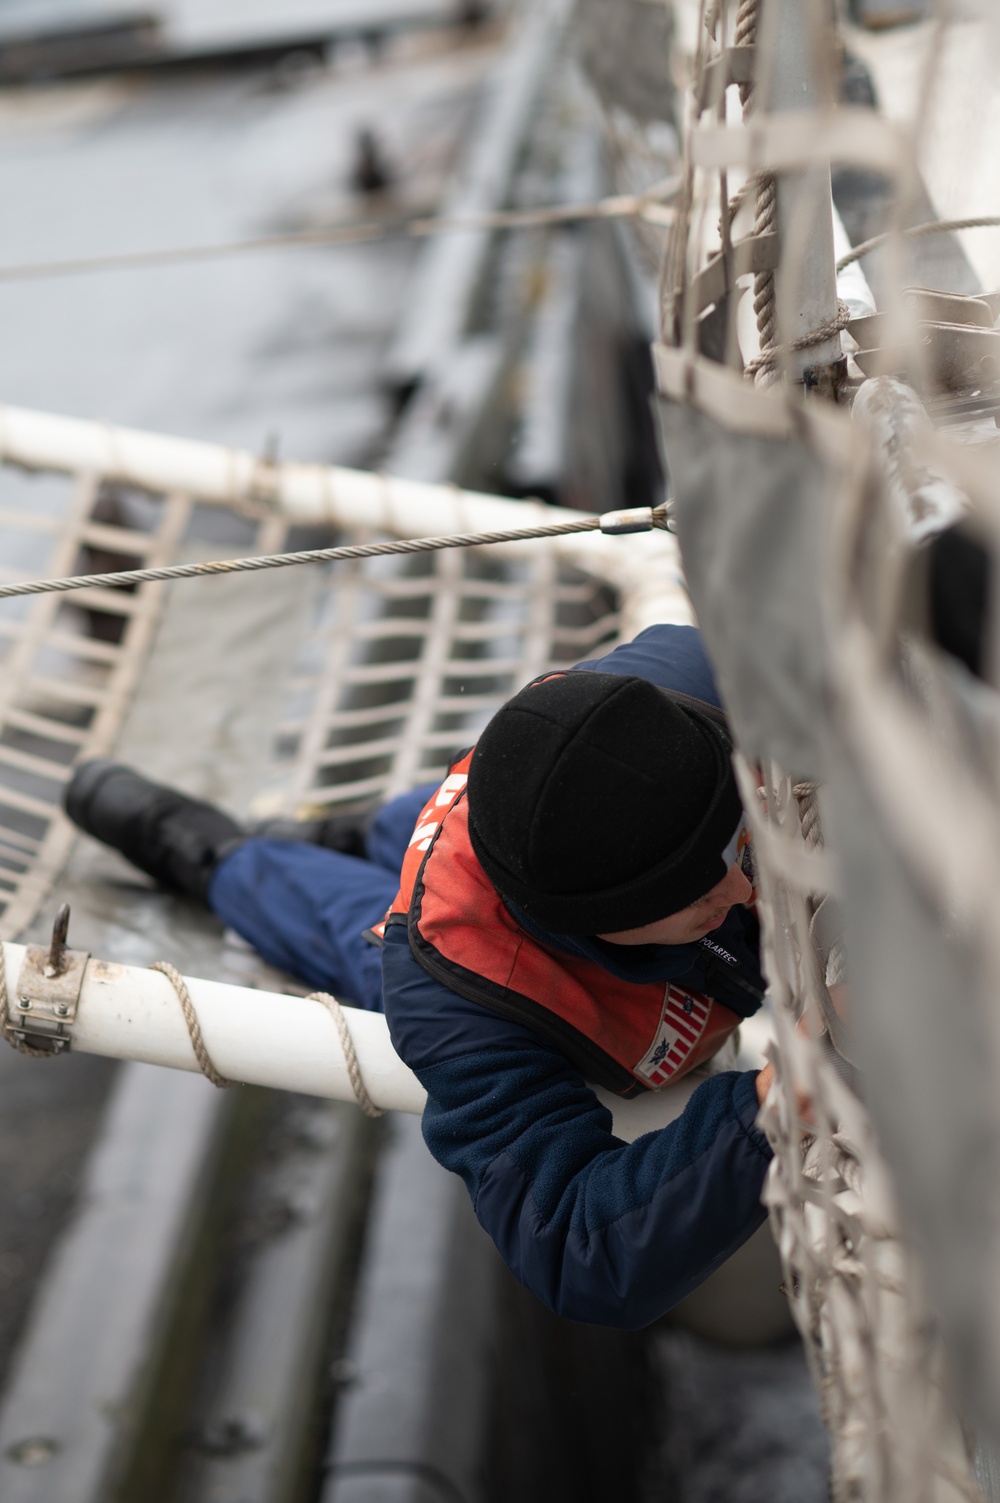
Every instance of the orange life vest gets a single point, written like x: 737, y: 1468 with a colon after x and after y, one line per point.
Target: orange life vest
x: 624, y: 1035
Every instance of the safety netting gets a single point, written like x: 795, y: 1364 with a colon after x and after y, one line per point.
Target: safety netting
x: 822, y: 431
x: 400, y: 662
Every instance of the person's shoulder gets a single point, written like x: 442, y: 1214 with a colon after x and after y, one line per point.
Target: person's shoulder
x: 430, y: 1024
x: 667, y: 654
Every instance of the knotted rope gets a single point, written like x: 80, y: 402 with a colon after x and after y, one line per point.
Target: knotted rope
x: 765, y: 302
x: 763, y: 186
x: 745, y: 35
x: 769, y: 358
x: 806, y: 796
x: 765, y: 210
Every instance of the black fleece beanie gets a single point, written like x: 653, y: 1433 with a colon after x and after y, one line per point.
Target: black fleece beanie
x: 598, y: 803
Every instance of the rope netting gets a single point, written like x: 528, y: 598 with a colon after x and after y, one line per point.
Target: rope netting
x: 816, y: 445
x: 413, y: 640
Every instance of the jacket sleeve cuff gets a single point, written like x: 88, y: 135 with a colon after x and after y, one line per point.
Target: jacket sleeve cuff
x: 746, y: 1107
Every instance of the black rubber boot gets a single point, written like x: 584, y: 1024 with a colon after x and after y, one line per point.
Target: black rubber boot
x: 175, y: 839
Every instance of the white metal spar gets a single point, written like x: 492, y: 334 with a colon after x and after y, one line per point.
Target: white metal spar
x: 644, y: 568
x: 256, y: 1037
x: 270, y: 1039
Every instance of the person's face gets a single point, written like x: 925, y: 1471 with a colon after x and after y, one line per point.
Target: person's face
x: 693, y: 922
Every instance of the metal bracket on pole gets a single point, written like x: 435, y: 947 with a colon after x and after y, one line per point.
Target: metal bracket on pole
x: 48, y: 990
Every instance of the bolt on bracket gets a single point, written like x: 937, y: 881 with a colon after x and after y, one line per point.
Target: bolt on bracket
x: 48, y: 990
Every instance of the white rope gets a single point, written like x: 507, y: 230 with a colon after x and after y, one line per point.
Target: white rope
x: 655, y: 517
x: 853, y: 1282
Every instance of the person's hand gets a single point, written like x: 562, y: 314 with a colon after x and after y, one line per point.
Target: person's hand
x: 764, y: 1082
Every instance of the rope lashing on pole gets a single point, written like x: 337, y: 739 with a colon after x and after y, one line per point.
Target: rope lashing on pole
x: 612, y: 523
x: 817, y: 336
x: 762, y: 188
x: 201, y: 1054
x: 933, y: 227
x: 651, y: 206
x: 336, y: 1012
x: 205, y: 1062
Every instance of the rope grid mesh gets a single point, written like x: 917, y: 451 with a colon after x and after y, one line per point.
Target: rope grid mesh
x: 408, y: 655
x: 408, y: 659
x: 912, y: 813
x: 855, y: 1286
x: 68, y: 672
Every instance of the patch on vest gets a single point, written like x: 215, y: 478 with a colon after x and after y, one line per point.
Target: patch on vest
x: 682, y: 1024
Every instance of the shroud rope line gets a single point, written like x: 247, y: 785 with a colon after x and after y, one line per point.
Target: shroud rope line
x: 124, y: 578
x: 650, y: 205
x: 932, y: 227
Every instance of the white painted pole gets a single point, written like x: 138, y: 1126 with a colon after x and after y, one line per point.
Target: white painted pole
x: 255, y: 1037
x: 271, y: 1039
x: 231, y: 477
x: 643, y: 567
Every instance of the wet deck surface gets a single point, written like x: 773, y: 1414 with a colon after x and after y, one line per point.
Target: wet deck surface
x: 275, y: 349
x: 738, y: 1426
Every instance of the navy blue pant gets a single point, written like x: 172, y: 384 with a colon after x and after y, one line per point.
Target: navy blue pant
x: 305, y: 909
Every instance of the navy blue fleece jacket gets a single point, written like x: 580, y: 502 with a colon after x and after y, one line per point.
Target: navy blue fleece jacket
x: 601, y: 1230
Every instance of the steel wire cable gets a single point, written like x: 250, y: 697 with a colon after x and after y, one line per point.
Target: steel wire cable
x: 640, y: 519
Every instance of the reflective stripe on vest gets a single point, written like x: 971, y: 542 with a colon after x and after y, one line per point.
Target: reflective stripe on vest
x: 626, y: 1036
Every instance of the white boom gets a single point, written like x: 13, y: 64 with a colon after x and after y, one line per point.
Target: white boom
x: 269, y: 1039
x: 643, y: 567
